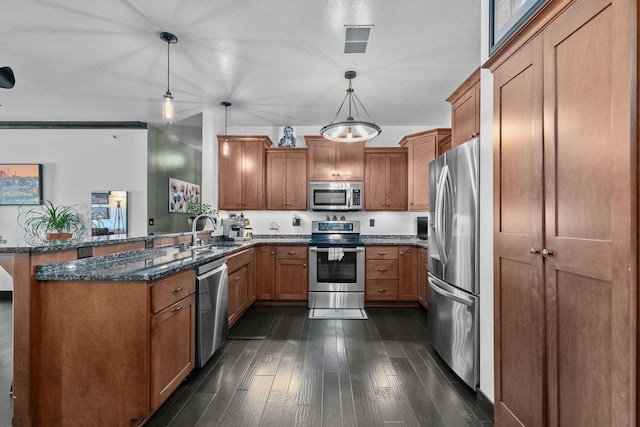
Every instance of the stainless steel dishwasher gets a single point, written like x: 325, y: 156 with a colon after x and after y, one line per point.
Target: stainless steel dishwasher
x: 212, y: 303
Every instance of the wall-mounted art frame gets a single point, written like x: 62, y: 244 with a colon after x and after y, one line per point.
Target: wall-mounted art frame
x: 100, y: 198
x: 20, y: 184
x: 181, y: 193
x: 99, y: 212
x: 506, y: 17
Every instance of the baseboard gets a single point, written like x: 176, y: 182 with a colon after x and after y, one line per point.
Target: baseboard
x: 484, y: 404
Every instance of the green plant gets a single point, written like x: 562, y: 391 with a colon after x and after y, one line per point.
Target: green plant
x: 199, y: 208
x: 42, y: 221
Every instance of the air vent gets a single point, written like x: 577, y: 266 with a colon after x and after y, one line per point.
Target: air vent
x: 356, y: 38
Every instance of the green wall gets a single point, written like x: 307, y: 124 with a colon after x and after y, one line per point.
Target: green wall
x: 168, y: 158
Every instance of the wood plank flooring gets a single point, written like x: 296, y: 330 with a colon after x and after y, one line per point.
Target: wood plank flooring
x: 376, y: 372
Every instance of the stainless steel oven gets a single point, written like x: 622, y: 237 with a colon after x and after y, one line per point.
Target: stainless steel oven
x: 336, y: 265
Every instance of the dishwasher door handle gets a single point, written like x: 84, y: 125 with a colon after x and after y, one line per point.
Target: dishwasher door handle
x: 212, y: 272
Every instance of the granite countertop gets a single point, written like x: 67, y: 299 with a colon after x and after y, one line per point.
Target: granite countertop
x: 155, y: 263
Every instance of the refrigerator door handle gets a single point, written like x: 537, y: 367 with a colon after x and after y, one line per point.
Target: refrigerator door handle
x: 448, y: 206
x: 441, y: 214
x: 447, y: 294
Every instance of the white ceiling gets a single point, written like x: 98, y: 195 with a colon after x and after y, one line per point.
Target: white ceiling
x: 279, y: 62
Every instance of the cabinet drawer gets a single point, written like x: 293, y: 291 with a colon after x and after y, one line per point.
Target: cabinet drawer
x: 167, y: 291
x: 299, y: 252
x: 236, y: 261
x: 382, y: 269
x: 381, y: 290
x: 382, y: 252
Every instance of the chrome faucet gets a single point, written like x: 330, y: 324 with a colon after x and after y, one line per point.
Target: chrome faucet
x: 195, y: 221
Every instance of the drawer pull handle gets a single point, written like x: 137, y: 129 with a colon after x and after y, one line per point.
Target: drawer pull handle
x: 176, y: 290
x: 177, y: 309
x: 382, y: 253
x: 382, y: 291
x: 292, y: 253
x: 382, y: 270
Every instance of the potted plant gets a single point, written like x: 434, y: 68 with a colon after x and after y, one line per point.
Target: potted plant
x: 198, y: 208
x: 49, y: 222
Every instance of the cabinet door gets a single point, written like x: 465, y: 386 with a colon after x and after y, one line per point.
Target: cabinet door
x: 266, y: 272
x: 407, y: 273
x: 349, y: 161
x: 423, y: 285
x: 590, y: 156
x: 242, y: 289
x: 292, y: 278
x: 375, y: 195
x: 463, y: 120
x: 297, y: 180
x: 321, y: 159
x: 172, y: 348
x: 277, y: 180
x: 230, y: 177
x: 396, y: 182
x: 421, y: 152
x: 253, y: 175
x: 519, y: 311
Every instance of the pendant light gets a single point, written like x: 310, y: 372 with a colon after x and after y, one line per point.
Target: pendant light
x: 168, y: 111
x: 351, y: 130
x: 225, y: 143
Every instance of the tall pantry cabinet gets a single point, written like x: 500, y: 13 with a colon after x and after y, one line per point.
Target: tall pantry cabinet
x: 565, y: 220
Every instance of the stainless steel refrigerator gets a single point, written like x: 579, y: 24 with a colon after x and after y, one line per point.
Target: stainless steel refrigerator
x: 453, y: 239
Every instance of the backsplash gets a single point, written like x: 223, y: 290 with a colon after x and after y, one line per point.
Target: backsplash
x: 281, y: 222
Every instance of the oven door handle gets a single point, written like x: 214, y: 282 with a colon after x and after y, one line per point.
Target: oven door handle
x: 343, y: 249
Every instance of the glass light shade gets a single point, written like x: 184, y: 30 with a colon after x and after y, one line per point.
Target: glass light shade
x: 167, y: 108
x: 225, y: 148
x: 350, y: 131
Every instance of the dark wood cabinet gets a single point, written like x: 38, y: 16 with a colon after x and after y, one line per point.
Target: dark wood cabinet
x: 241, y: 174
x: 385, y: 179
x: 391, y: 273
x: 266, y: 272
x: 287, y: 178
x: 292, y: 274
x: 565, y: 228
x: 334, y: 161
x: 421, y: 149
x: 407, y: 273
x: 465, y: 110
x: 241, y: 276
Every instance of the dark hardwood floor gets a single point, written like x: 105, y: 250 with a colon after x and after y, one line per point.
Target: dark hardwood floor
x: 377, y: 372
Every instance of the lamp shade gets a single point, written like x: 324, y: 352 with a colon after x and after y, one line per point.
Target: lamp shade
x: 168, y: 110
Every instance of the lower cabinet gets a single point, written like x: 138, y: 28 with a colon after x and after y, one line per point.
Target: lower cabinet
x: 113, y: 351
x: 241, y: 276
x: 283, y: 273
x: 391, y: 273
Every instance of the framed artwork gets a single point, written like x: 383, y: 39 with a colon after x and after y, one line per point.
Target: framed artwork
x: 99, y: 212
x: 506, y: 17
x: 181, y: 193
x: 99, y: 198
x: 287, y: 136
x: 20, y: 184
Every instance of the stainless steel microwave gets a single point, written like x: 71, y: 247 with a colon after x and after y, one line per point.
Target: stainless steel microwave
x: 335, y: 196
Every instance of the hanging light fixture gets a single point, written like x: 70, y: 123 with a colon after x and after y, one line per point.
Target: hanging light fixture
x: 225, y: 143
x: 351, y: 130
x: 168, y: 110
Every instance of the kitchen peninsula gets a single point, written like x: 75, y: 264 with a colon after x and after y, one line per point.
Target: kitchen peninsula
x: 111, y: 335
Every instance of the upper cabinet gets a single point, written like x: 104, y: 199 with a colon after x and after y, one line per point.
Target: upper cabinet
x: 385, y: 179
x: 241, y: 172
x: 421, y: 149
x: 334, y: 161
x: 287, y: 178
x: 465, y: 110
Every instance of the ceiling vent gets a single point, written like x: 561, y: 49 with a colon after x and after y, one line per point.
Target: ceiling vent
x: 356, y: 38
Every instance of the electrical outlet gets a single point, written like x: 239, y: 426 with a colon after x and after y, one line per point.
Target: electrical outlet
x: 372, y: 222
x: 150, y: 221
x: 274, y: 225
x: 296, y: 221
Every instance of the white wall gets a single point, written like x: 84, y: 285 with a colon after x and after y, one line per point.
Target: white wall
x: 77, y: 162
x: 400, y: 223
x: 487, y: 381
